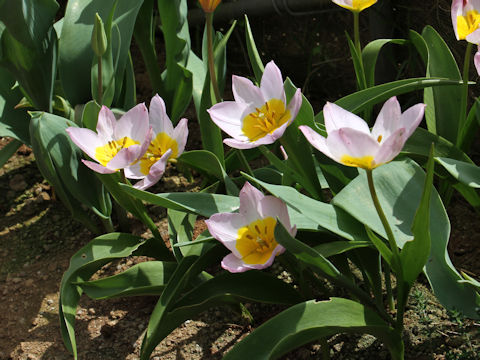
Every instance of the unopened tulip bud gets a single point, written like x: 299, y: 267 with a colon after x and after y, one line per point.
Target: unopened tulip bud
x: 209, y: 6
x: 99, y: 38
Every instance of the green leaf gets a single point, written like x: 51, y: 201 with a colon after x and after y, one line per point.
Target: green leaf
x: 399, y: 186
x: 90, y: 115
x: 83, y: 265
x: 312, y: 320
x: 71, y: 175
x: 13, y: 122
x: 466, y: 173
x: 370, y: 54
x: 75, y: 51
x: 180, y: 229
x: 197, y: 203
x: 442, y: 111
x: 325, y: 215
x: 357, y: 64
x: 415, y: 253
x: 364, y: 99
x: 253, y: 55
x: 339, y: 247
x: 147, y: 278
x: 8, y: 151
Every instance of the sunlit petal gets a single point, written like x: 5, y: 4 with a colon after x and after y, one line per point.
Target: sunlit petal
x: 337, y: 118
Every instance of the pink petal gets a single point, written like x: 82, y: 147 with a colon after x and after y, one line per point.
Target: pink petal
x: 241, y: 144
x: 411, y: 118
x: 351, y: 142
x: 294, y: 105
x: 224, y: 227
x: 156, y: 172
x: 159, y: 120
x: 456, y: 10
x: 337, y: 118
x: 85, y: 139
x: 388, y: 120
x: 270, y: 206
x: 476, y: 61
x: 250, y: 198
x: 244, y: 91
x: 134, y: 124
x: 180, y: 134
x: 272, y: 83
x: 316, y: 140
x: 228, y: 116
x: 233, y: 264
x: 97, y: 167
x: 391, y: 147
x: 474, y: 37
x: 125, y: 157
x: 106, y: 124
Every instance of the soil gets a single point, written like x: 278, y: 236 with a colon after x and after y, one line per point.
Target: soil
x: 38, y: 237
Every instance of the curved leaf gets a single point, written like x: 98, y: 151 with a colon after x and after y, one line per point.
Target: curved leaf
x: 147, y: 278
x: 466, y: 173
x: 254, y: 56
x: 84, y: 264
x: 309, y: 321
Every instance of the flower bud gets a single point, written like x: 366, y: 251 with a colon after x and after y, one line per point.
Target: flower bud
x: 209, y: 5
x: 99, y: 38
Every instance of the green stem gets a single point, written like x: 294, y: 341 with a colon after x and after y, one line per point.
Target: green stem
x: 100, y: 81
x: 244, y: 162
x: 211, y: 57
x: 356, y: 33
x: 464, y: 98
x: 108, y: 225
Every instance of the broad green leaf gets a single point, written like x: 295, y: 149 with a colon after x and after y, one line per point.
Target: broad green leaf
x: 28, y: 20
x: 196, y: 259
x: 339, y: 247
x: 325, y: 215
x: 90, y: 115
x: 370, y: 54
x: 13, y: 122
x: 470, y: 281
x: 75, y: 51
x: 180, y: 229
x: 83, y: 265
x: 76, y: 179
x: 146, y: 278
x: 364, y: 99
x: 253, y: 55
x: 197, y: 203
x: 8, y: 151
x: 208, y: 162
x: 33, y: 68
x: 442, y: 111
x: 312, y: 320
x: 399, y: 186
x: 466, y: 173
x: 415, y: 253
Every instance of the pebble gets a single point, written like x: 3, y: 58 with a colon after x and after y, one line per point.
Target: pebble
x: 29, y: 282
x: 17, y: 183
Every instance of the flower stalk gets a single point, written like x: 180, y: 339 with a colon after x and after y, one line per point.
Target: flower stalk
x: 464, y: 98
x: 211, y: 56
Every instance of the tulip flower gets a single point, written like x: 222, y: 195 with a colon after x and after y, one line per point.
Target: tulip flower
x: 209, y: 5
x: 167, y: 143
x: 350, y: 141
x: 466, y: 20
x: 355, y: 5
x: 259, y: 115
x: 476, y: 60
x: 116, y: 144
x: 249, y: 234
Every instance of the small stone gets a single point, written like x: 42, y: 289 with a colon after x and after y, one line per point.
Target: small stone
x: 42, y: 197
x: 16, y: 280
x: 50, y: 302
x: 91, y: 311
x: 29, y: 282
x: 17, y: 183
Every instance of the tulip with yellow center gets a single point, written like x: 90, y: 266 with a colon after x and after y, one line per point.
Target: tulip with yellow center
x: 350, y: 141
x: 250, y: 233
x: 117, y: 143
x: 355, y: 5
x: 259, y: 115
x: 466, y: 20
x: 209, y: 5
x: 167, y: 143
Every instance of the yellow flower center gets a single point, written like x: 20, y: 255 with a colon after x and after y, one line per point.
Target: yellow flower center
x: 256, y: 241
x: 467, y: 24
x: 359, y: 5
x: 364, y: 162
x: 155, y: 151
x: 265, y: 120
x: 105, y: 153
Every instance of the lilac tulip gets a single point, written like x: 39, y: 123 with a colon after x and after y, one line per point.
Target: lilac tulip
x: 466, y: 20
x: 350, y: 141
x: 355, y: 5
x: 167, y: 143
x: 249, y: 234
x: 259, y: 115
x: 117, y: 143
